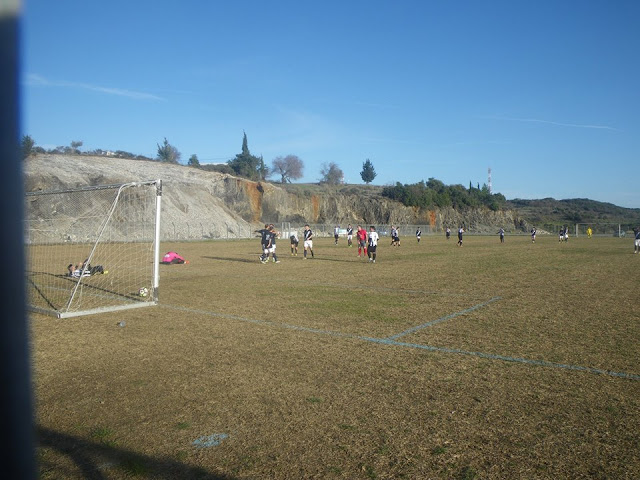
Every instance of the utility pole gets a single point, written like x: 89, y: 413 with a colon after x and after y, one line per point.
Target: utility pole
x: 489, y: 184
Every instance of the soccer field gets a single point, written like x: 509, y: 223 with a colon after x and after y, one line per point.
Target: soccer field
x: 514, y: 360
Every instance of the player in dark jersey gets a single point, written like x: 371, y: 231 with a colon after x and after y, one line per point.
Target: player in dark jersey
x: 460, y: 232
x: 294, y: 243
x: 308, y: 241
x: 349, y: 236
x: 264, y: 240
x: 418, y: 234
x: 273, y: 234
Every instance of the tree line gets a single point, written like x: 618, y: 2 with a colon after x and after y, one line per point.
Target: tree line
x: 283, y: 168
x: 434, y: 193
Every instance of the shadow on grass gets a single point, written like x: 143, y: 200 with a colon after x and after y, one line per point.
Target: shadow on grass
x: 235, y: 259
x: 94, y: 460
x: 325, y: 258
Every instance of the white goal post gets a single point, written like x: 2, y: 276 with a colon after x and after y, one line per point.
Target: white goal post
x: 93, y: 249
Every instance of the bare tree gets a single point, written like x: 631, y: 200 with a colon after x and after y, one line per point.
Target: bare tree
x: 331, y: 174
x: 289, y: 167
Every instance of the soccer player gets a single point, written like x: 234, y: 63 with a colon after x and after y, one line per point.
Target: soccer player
x: 561, y: 234
x: 589, y: 232
x: 85, y: 269
x: 264, y: 237
x: 395, y: 237
x: 349, y: 236
x: 268, y: 239
x: 418, y: 234
x: 294, y: 243
x: 448, y: 233
x: 273, y: 234
x: 373, y: 244
x: 460, y: 232
x: 336, y: 233
x: 533, y: 235
x: 501, y: 232
x: 361, y: 233
x: 170, y: 258
x: 636, y: 245
x: 308, y: 241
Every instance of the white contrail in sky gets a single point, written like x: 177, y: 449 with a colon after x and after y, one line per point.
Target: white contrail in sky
x: 37, y: 80
x: 549, y: 122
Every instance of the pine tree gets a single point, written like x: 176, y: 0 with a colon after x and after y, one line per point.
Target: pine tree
x: 368, y: 173
x: 247, y: 165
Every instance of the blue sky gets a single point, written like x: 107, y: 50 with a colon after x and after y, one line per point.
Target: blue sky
x: 543, y: 92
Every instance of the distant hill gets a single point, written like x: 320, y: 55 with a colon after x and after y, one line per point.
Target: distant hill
x: 574, y: 210
x: 203, y: 204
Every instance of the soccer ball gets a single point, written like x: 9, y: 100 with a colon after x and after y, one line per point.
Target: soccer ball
x: 143, y: 292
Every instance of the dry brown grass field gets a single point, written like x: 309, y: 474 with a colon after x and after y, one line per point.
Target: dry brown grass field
x: 489, y: 361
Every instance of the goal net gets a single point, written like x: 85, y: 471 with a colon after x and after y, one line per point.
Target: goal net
x: 93, y: 249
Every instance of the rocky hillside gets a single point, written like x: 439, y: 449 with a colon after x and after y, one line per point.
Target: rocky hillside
x: 201, y: 204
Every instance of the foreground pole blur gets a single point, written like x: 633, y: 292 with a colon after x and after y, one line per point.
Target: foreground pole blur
x: 16, y: 427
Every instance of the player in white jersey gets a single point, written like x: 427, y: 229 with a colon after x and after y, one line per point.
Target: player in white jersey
x: 308, y: 241
x: 373, y: 244
x: 395, y: 239
x: 294, y: 244
x: 349, y: 236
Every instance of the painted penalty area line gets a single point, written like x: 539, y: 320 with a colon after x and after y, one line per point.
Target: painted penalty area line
x: 442, y: 319
x: 393, y: 343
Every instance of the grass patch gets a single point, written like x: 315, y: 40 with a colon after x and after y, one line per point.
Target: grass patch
x: 135, y: 467
x: 467, y: 473
x: 241, y: 347
x: 102, y: 435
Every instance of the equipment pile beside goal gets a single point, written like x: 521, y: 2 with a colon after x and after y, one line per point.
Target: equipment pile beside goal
x: 114, y: 228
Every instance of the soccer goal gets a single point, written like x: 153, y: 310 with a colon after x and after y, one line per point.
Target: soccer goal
x: 93, y: 249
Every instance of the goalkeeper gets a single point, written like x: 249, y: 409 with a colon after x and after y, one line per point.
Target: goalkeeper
x: 172, y: 258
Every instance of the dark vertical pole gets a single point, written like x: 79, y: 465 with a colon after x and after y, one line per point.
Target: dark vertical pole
x: 16, y: 427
